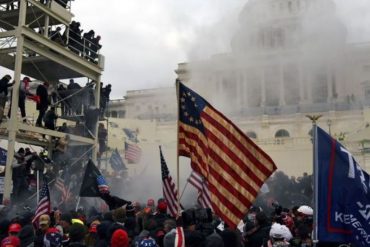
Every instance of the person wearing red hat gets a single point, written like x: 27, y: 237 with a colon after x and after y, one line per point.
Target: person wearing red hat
x: 14, y: 229
x: 119, y: 239
x: 11, y: 241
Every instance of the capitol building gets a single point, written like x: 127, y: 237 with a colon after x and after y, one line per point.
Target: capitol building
x: 287, y: 59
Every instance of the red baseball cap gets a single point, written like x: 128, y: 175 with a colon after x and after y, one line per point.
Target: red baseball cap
x: 15, y: 227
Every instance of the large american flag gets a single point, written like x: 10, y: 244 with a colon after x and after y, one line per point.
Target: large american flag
x: 169, y: 187
x: 234, y: 167
x: 44, y: 205
x: 132, y: 152
x: 204, y: 196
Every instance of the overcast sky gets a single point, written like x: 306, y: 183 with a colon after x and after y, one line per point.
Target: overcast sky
x: 144, y: 40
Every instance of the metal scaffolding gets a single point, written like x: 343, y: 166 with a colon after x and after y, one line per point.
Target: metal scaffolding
x: 26, y: 48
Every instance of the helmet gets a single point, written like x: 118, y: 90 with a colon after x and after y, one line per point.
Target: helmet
x: 14, y: 228
x: 148, y: 242
x: 306, y: 210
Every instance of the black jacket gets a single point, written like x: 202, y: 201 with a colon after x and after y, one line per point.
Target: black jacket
x: 42, y: 92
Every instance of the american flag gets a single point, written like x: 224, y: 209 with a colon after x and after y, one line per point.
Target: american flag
x: 102, y: 184
x: 169, y: 187
x: 64, y: 190
x: 235, y: 168
x: 132, y: 152
x: 44, y: 206
x: 204, y: 197
x: 180, y: 237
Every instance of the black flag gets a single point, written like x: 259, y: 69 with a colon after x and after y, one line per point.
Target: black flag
x: 93, y: 184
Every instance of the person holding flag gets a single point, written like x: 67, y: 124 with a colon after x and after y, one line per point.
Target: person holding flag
x: 95, y: 185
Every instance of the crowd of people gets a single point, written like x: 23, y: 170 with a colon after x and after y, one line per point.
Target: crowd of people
x: 133, y: 224
x: 86, y: 45
x: 113, y: 221
x: 72, y: 99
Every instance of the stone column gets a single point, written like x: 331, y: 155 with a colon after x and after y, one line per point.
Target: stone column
x: 263, y: 87
x: 329, y: 85
x: 302, y: 97
x: 281, y: 85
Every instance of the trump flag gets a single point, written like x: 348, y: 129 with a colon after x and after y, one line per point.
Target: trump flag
x: 343, y: 200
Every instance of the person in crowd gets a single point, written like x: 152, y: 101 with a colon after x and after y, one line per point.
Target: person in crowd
x: 19, y: 175
x: 64, y: 128
x: 119, y: 239
x: 4, y: 86
x: 75, y: 102
x: 95, y: 47
x: 87, y: 44
x: 279, y: 235
x: 61, y: 91
x: 74, y: 34
x: 91, y: 120
x: 43, y: 104
x: 43, y: 226
x: 102, y: 138
x: 11, y: 241
x: 57, y: 37
x: 77, y: 233
x: 104, y: 98
x: 23, y: 93
x: 50, y: 118
x: 63, y: 3
x: 256, y: 231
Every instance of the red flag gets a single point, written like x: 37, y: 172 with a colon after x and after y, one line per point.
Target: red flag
x: 169, y: 187
x: 234, y: 167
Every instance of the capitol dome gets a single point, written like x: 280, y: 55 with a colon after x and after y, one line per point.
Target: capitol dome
x: 267, y: 25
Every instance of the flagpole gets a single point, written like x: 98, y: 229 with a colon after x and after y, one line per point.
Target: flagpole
x: 37, y: 186
x: 177, y: 146
x: 314, y: 119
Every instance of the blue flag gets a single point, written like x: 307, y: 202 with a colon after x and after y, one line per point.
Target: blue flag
x: 343, y: 194
x: 117, y: 162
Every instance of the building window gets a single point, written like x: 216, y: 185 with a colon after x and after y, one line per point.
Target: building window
x: 282, y: 133
x: 251, y: 134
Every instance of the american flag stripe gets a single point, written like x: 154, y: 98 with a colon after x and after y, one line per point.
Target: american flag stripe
x: 204, y: 198
x: 180, y: 237
x: 196, y: 180
x: 44, y: 204
x: 234, y: 167
x: 132, y: 152
x: 265, y: 163
x: 170, y: 192
x: 216, y: 130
